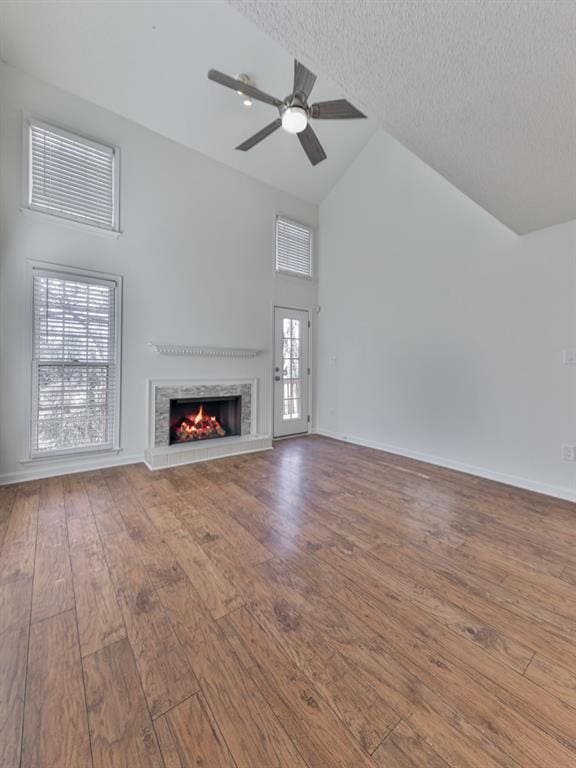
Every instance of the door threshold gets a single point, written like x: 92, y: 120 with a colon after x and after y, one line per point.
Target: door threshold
x: 288, y: 437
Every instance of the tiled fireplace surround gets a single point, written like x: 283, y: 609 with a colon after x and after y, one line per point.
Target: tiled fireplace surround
x: 160, y: 454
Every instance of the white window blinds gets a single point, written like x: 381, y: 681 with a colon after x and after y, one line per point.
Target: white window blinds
x: 72, y: 177
x: 75, y: 365
x: 293, y: 247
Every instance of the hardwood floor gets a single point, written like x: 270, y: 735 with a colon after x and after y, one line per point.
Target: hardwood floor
x: 318, y: 606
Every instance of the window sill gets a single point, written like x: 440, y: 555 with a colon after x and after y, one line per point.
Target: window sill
x: 79, y: 226
x: 60, y: 455
x: 298, y: 275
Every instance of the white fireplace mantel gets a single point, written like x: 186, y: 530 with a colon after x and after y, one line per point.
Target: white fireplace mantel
x: 201, y: 351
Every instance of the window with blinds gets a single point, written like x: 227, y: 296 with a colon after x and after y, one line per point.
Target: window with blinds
x: 75, y: 363
x: 72, y: 177
x: 293, y: 248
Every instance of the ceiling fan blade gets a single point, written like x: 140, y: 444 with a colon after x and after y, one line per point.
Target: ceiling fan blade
x: 339, y: 109
x: 247, y: 90
x: 303, y: 79
x: 311, y: 145
x: 266, y: 131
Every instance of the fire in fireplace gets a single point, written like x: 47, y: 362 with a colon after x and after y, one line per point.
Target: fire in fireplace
x: 193, y: 419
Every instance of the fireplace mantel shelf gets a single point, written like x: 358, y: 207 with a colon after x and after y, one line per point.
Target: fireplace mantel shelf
x: 199, y: 351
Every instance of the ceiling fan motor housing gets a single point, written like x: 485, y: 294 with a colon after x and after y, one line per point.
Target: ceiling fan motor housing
x: 293, y: 100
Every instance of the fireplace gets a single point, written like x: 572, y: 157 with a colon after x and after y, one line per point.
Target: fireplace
x: 204, y: 418
x: 232, y: 404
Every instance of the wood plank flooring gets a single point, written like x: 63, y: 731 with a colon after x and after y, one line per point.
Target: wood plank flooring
x: 321, y: 605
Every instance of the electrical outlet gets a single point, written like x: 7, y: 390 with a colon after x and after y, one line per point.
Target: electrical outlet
x: 569, y: 357
x: 569, y: 452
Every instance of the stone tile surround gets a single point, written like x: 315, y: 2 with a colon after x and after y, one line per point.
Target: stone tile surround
x: 163, y: 395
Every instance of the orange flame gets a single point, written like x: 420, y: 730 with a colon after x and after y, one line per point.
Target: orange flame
x: 199, y: 416
x: 199, y: 426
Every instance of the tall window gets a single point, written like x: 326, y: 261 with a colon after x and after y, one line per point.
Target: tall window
x: 72, y: 177
x: 75, y: 363
x: 293, y: 248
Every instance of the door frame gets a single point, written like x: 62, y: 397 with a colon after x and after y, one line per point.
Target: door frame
x: 310, y: 312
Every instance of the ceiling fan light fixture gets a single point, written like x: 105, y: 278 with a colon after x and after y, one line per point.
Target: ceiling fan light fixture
x: 294, y: 119
x: 247, y: 80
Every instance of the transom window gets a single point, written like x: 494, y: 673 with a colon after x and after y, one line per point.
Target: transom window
x: 72, y: 177
x: 293, y: 248
x: 75, y: 363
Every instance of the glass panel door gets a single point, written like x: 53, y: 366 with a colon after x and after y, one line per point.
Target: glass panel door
x: 290, y: 372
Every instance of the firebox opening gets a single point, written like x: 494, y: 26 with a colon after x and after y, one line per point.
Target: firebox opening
x: 193, y: 419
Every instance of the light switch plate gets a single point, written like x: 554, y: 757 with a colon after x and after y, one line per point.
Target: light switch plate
x: 569, y: 357
x: 569, y: 452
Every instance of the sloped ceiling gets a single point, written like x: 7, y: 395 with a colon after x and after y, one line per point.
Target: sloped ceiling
x: 484, y: 91
x: 147, y: 60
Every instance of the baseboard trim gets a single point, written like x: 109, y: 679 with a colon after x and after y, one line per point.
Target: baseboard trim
x: 42, y: 469
x: 556, y: 491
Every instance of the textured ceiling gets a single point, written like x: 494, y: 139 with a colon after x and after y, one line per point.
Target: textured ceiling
x: 484, y: 91
x: 147, y: 60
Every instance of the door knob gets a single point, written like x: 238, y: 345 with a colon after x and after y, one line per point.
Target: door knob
x: 276, y: 378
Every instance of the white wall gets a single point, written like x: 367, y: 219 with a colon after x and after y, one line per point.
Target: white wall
x: 196, y: 255
x: 441, y: 332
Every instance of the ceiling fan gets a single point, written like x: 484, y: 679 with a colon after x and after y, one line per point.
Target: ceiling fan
x: 295, y: 112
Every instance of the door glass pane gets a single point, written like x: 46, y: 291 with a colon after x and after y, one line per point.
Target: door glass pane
x: 291, y: 369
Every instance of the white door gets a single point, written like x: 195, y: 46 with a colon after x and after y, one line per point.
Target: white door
x: 291, y: 371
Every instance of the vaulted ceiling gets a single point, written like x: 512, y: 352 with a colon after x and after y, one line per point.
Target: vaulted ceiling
x: 484, y: 91
x: 147, y: 60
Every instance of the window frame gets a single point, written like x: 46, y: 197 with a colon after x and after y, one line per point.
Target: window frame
x: 50, y: 215
x: 39, y: 268
x: 291, y: 272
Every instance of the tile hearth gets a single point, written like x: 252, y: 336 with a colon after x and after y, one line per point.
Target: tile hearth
x: 160, y: 454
